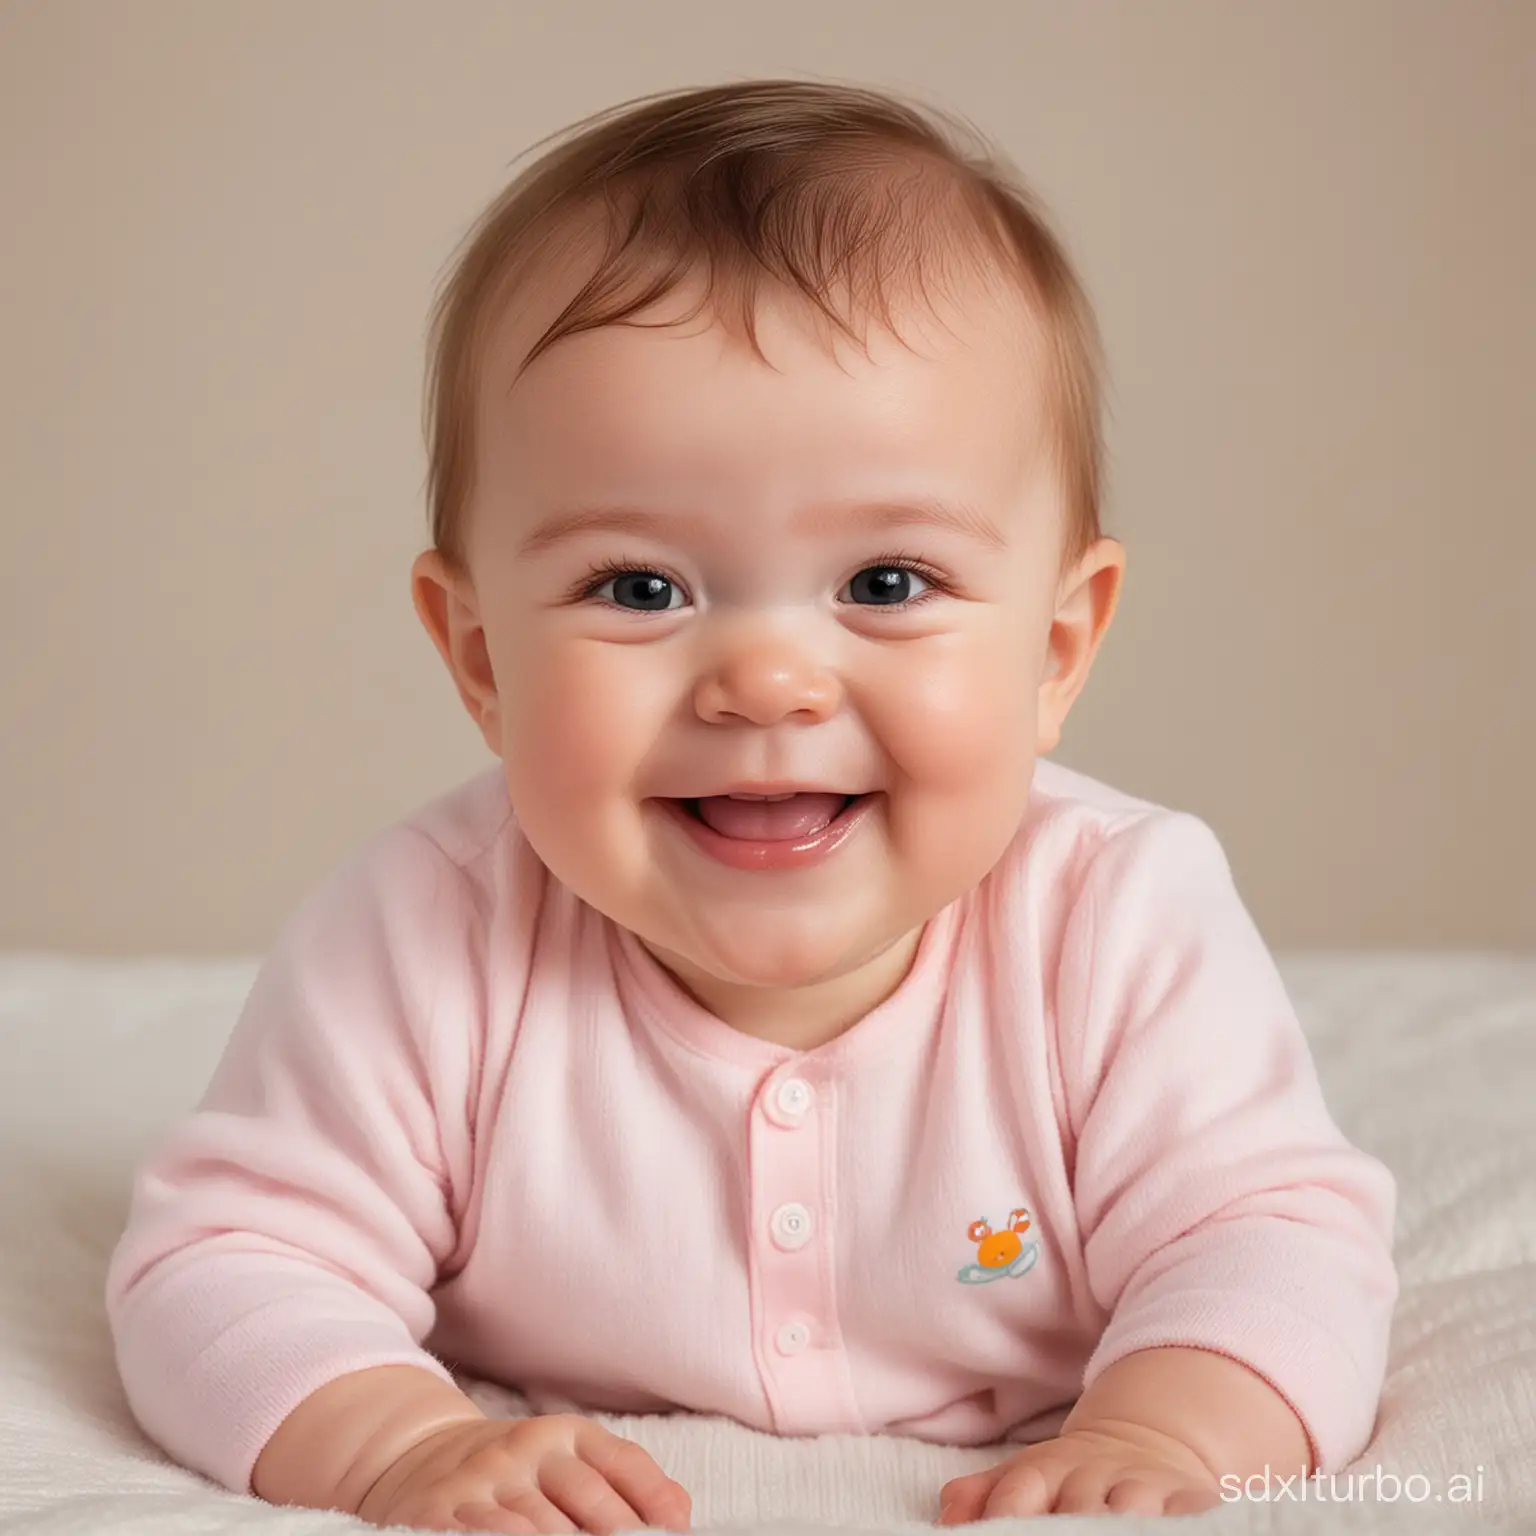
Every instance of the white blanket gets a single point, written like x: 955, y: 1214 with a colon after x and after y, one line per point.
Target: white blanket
x: 1427, y: 1061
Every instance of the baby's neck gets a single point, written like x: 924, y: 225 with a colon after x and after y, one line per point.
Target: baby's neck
x: 807, y: 1017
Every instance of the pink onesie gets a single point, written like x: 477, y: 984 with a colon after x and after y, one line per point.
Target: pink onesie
x: 463, y: 1117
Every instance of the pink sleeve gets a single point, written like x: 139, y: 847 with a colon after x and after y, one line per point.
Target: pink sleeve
x: 1220, y: 1207
x: 289, y: 1230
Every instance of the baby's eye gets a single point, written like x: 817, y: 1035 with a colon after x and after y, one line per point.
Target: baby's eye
x: 886, y: 585
x: 644, y: 592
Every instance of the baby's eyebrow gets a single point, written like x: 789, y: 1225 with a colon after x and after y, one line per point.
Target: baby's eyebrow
x: 960, y: 517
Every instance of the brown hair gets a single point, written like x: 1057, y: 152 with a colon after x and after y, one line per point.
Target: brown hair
x: 819, y: 186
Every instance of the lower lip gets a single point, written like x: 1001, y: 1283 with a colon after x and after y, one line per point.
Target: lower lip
x: 786, y: 853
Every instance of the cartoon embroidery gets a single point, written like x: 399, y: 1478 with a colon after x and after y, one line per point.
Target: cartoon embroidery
x: 1001, y: 1254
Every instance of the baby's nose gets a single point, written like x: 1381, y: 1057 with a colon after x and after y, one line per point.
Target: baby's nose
x: 767, y: 681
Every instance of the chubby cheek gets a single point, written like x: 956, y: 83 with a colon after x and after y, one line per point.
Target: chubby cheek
x: 956, y: 720
x: 959, y: 734
x: 578, y: 728
x: 576, y: 732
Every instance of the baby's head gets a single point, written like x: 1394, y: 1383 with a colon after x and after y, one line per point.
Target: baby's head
x: 764, y: 439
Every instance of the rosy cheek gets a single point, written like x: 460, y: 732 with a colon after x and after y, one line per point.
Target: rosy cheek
x: 585, y: 722
x: 957, y: 720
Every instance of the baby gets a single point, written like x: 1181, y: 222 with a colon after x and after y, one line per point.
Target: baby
x: 773, y: 1030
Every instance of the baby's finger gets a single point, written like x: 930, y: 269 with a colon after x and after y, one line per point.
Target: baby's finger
x: 525, y: 1501
x: 1134, y: 1495
x: 1025, y: 1488
x: 633, y: 1474
x: 587, y: 1496
x: 474, y: 1516
x: 1084, y: 1487
x: 962, y: 1499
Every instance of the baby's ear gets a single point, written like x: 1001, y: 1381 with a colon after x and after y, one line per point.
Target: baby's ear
x: 445, y: 604
x: 1089, y: 595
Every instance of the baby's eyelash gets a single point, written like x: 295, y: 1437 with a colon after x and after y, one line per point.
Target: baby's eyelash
x: 600, y: 574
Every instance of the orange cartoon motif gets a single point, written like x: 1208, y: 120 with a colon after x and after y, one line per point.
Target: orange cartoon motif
x: 1001, y: 1254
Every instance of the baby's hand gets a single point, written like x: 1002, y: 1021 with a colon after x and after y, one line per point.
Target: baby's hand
x: 1127, y: 1468
x: 559, y: 1472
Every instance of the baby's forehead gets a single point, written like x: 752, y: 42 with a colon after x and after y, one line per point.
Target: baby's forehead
x: 962, y: 309
x: 685, y: 390
x: 939, y: 381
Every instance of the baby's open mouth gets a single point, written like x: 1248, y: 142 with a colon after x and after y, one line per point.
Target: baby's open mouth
x: 783, y: 819
x: 692, y: 806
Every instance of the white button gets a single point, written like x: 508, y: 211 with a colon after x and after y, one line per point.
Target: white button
x: 793, y: 1099
x: 792, y: 1338
x: 791, y: 1226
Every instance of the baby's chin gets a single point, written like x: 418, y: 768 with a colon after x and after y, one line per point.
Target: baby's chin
x: 800, y: 987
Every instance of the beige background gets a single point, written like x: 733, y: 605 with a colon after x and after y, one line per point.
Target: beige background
x: 1309, y: 232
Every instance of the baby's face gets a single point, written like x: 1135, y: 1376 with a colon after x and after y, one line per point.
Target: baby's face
x: 777, y: 644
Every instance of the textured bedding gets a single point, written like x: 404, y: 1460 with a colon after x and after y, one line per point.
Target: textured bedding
x: 1427, y: 1061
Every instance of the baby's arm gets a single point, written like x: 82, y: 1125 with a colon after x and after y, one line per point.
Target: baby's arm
x: 1240, y: 1244
x: 290, y: 1231
x: 330, y: 1451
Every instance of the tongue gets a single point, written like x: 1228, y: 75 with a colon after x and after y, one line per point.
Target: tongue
x: 769, y: 820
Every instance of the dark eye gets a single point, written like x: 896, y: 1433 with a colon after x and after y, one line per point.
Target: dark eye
x: 642, y: 591
x: 885, y: 585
